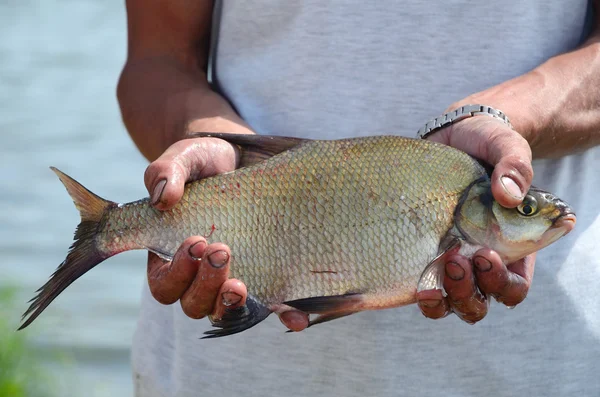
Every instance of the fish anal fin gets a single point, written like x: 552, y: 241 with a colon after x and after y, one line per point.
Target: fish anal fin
x: 328, y: 304
x: 238, y: 319
x: 254, y: 148
x: 433, y: 275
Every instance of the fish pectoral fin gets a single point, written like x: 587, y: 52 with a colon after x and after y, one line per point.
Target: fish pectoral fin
x: 238, y: 319
x: 254, y: 148
x: 433, y: 275
x: 328, y: 304
x: 165, y: 256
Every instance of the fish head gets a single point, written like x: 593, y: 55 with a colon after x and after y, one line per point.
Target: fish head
x: 540, y: 220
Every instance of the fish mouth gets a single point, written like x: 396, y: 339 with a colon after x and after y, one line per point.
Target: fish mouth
x: 566, y: 218
x: 561, y: 226
x: 565, y: 221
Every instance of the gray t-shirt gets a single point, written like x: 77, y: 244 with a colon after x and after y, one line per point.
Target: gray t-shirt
x: 332, y: 69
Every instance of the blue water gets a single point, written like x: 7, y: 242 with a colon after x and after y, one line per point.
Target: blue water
x: 59, y: 65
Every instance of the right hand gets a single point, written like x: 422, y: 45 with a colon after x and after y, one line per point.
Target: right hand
x: 198, y: 276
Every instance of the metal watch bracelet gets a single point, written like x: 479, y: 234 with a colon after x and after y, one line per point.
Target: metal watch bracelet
x: 459, y: 114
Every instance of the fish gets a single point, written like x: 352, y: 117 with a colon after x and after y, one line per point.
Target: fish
x: 329, y: 227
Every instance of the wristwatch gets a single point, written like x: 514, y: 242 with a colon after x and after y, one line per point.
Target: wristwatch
x: 459, y: 114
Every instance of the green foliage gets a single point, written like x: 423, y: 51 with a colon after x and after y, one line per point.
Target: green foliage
x: 21, y: 371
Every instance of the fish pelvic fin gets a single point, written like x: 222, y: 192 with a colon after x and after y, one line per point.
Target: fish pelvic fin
x: 83, y: 254
x: 238, y: 319
x: 254, y: 148
x: 323, y: 318
x: 329, y: 308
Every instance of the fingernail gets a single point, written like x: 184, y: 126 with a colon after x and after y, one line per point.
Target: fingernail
x: 454, y: 271
x: 158, y: 191
x: 482, y: 264
x: 218, y: 259
x: 196, y: 250
x: 511, y: 187
x: 230, y: 298
x: 430, y: 303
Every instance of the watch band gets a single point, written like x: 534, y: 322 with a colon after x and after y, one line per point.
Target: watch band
x: 459, y: 114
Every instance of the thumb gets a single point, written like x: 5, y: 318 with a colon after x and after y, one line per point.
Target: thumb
x: 184, y: 161
x: 497, y: 144
x: 510, y: 154
x: 511, y: 179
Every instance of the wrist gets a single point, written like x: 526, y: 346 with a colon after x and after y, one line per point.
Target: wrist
x: 162, y: 104
x: 458, y: 114
x: 515, y: 99
x: 197, y: 108
x: 212, y: 113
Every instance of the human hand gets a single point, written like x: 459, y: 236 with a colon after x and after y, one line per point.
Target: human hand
x: 198, y: 275
x: 469, y: 282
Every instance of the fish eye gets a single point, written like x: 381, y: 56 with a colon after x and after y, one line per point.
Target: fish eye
x: 528, y: 207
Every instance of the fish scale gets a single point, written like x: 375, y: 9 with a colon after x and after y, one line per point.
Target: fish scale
x: 318, y: 219
x: 325, y: 227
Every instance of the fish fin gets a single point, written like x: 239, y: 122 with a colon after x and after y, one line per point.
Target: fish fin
x: 239, y: 319
x: 83, y: 253
x: 327, y: 304
x: 433, y: 275
x: 255, y: 148
x: 165, y: 256
x: 90, y: 206
x: 323, y: 318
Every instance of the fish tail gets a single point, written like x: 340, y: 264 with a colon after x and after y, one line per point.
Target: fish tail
x: 83, y: 254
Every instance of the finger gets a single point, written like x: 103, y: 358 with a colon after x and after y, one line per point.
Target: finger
x: 186, y: 160
x: 433, y: 304
x: 512, y: 178
x: 213, y: 270
x: 510, y: 154
x: 294, y: 320
x: 169, y: 280
x: 497, y: 144
x: 231, y: 295
x: 508, y: 285
x: 465, y: 299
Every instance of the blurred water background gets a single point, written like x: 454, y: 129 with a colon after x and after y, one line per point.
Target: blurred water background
x: 59, y: 65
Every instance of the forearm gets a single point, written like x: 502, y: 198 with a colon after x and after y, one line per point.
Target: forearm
x: 163, y: 91
x: 556, y: 106
x: 568, y: 102
x: 161, y: 104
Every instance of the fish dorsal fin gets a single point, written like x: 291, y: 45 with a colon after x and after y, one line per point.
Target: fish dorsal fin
x: 254, y: 148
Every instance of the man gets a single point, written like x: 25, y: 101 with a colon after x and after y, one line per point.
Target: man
x: 338, y: 69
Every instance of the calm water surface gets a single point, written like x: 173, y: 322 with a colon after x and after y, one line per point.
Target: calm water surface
x: 59, y: 64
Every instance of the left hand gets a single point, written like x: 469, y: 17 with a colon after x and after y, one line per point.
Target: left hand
x: 469, y: 282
